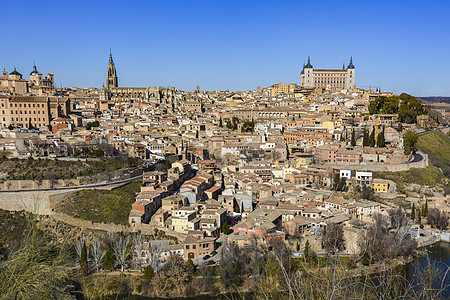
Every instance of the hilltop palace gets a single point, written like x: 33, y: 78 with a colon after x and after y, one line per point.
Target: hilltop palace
x: 328, y: 78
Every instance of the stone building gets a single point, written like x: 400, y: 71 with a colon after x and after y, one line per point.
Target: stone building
x: 126, y: 96
x: 328, y: 78
x: 38, y: 111
x: 13, y: 83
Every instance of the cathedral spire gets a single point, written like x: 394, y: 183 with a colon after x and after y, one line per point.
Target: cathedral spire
x: 111, y: 77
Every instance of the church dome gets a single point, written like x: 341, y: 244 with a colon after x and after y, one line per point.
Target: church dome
x: 35, y: 71
x: 15, y: 72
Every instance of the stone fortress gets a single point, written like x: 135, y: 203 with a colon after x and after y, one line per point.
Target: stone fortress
x: 328, y: 78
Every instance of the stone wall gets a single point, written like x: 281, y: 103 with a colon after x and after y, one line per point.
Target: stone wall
x: 34, y: 202
x: 382, y: 167
x: 17, y: 185
x: 85, y: 224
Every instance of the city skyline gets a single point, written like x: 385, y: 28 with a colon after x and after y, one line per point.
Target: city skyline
x: 230, y: 46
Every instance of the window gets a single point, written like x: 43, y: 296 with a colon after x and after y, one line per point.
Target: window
x: 194, y: 246
x: 187, y: 246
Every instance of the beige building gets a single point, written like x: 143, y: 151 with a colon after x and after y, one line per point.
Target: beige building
x: 328, y: 78
x: 280, y: 89
x: 13, y: 83
x: 39, y: 111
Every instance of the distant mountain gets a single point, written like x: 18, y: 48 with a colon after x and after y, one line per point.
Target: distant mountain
x: 435, y: 99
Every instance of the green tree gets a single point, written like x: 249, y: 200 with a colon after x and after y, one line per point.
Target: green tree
x: 410, y: 108
x: 353, y: 139
x: 419, y: 217
x: 409, y: 141
x: 220, y: 122
x: 84, y: 269
x: 226, y: 228
x: 307, y: 252
x: 248, y: 126
x: 229, y: 126
x: 365, y: 138
x: 372, y: 138
x: 413, y: 212
x: 10, y: 127
x: 425, y: 208
x: 110, y: 259
x: 381, y: 142
x: 191, y: 267
x: 148, y: 272
x: 341, y: 184
x: 235, y: 121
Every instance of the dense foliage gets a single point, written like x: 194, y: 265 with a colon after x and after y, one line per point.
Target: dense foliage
x: 406, y: 106
x: 410, y: 139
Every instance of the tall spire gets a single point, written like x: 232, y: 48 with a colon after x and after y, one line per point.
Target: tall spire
x: 111, y: 77
x: 351, y: 66
x: 309, y: 65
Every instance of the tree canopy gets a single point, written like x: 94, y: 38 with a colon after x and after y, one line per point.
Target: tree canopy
x: 409, y: 141
x: 406, y: 106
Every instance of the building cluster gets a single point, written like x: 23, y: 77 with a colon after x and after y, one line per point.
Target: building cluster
x: 261, y: 162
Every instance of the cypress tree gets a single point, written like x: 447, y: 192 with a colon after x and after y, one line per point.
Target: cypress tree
x: 365, y: 138
x: 148, y: 272
x: 372, y: 138
x: 353, y: 139
x: 380, y: 140
x: 220, y: 122
x: 413, y: 212
x: 83, y: 261
x: 109, y: 259
x: 425, y: 208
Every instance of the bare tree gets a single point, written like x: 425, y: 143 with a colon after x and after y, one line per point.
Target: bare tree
x: 437, y: 219
x: 121, y: 249
x: 333, y: 239
x: 155, y: 249
x: 138, y: 244
x: 79, y: 242
x: 97, y: 253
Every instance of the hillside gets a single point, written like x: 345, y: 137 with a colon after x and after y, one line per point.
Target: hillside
x: 437, y: 145
x: 101, y: 205
x: 38, y: 169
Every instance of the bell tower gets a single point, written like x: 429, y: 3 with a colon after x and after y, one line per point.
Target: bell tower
x: 111, y: 77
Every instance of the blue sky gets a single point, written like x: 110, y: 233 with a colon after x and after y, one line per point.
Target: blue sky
x: 234, y: 45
